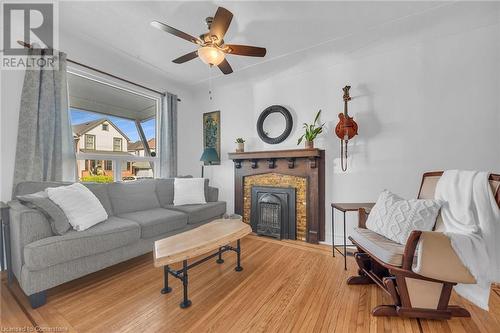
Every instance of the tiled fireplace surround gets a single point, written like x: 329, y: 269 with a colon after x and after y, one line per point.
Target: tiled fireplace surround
x: 302, y: 169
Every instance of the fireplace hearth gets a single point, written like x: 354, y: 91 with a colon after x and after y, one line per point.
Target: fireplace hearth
x: 273, y: 212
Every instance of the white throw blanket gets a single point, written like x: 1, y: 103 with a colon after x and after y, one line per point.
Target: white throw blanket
x: 472, y: 220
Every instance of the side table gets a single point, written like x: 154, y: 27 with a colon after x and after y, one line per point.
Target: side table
x: 345, y: 207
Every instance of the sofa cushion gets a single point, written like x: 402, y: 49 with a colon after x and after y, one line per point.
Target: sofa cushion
x: 110, y: 234
x: 377, y: 245
x: 29, y: 187
x: 198, y: 213
x: 40, y: 200
x: 101, y: 192
x: 157, y: 221
x: 165, y: 191
x: 189, y: 191
x: 133, y: 196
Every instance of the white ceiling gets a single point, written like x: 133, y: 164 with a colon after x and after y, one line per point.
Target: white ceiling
x: 284, y: 28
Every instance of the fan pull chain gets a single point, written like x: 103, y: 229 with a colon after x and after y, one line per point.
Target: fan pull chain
x: 343, y: 160
x: 210, y: 82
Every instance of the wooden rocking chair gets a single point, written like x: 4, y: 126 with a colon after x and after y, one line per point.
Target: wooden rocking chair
x: 418, y: 276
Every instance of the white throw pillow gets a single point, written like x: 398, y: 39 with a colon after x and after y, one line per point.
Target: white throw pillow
x: 80, y: 205
x: 189, y: 191
x: 395, y: 217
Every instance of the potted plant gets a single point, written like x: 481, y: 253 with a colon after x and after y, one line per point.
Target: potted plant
x: 240, y: 145
x: 311, y: 132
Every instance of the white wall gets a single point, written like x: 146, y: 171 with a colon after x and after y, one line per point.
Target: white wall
x: 429, y: 101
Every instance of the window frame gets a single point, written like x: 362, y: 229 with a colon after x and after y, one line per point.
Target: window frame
x: 105, y: 129
x: 118, y: 160
x: 93, y: 141
x: 121, y: 143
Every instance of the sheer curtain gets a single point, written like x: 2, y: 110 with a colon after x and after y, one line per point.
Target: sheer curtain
x: 44, y: 150
x: 168, y: 136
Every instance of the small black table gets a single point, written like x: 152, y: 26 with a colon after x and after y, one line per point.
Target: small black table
x: 345, y: 207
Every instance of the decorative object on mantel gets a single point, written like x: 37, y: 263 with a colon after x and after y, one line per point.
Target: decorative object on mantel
x: 303, y: 169
x: 346, y: 129
x: 311, y: 132
x: 208, y: 157
x: 211, y: 133
x: 240, y: 145
x: 274, y: 118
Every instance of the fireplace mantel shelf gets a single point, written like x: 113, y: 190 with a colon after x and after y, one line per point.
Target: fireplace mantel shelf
x: 289, y: 153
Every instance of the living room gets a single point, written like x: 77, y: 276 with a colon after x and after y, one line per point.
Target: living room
x: 275, y: 166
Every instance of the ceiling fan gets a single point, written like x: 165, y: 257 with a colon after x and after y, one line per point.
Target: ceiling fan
x: 212, y: 48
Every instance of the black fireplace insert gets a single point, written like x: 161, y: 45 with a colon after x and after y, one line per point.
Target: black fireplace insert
x: 273, y: 212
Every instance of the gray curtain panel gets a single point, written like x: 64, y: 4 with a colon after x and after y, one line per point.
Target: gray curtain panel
x: 168, y: 136
x: 44, y: 150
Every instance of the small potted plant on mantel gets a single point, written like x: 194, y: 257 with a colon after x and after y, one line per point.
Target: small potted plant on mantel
x: 240, y: 145
x: 311, y: 132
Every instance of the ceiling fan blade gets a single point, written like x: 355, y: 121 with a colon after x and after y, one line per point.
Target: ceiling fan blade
x: 225, y: 67
x: 186, y: 57
x: 175, y: 32
x: 245, y: 50
x: 221, y: 22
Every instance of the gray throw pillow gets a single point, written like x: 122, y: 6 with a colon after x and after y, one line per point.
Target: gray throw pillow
x: 40, y: 200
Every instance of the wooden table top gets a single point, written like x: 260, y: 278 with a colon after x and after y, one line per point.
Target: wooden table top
x: 352, y: 206
x: 195, y: 242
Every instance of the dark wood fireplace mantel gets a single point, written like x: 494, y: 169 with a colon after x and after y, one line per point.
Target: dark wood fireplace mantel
x: 306, y: 163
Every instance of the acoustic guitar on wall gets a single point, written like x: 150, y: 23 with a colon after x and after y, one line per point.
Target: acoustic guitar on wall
x: 346, y: 128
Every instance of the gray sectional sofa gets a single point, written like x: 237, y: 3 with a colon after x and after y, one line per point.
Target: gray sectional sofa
x: 139, y: 213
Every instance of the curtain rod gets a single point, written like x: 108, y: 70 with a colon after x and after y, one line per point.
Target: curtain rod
x: 28, y: 46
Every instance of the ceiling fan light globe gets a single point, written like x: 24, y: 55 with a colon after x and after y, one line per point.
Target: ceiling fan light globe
x: 211, y: 55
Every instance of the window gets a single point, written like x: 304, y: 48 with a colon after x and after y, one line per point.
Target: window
x: 117, y: 144
x: 107, y: 117
x: 89, y: 141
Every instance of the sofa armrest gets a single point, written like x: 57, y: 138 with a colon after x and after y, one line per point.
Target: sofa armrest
x: 26, y: 225
x: 436, y: 259
x: 213, y: 194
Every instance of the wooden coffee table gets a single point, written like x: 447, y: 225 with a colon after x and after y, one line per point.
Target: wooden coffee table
x: 216, y: 235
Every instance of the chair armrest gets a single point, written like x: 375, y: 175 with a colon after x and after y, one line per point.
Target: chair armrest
x: 362, y: 217
x: 436, y: 259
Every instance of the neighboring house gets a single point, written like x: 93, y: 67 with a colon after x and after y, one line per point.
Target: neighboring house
x: 100, y: 136
x: 141, y: 169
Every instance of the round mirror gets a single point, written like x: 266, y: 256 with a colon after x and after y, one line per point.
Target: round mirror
x: 274, y: 124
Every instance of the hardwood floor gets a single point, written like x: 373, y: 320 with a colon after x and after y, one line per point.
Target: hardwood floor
x: 285, y: 286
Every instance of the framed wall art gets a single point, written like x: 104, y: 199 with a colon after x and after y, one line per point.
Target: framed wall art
x: 211, y: 132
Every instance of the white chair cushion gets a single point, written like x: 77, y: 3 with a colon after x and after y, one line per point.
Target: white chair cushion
x: 395, y: 218
x: 378, y: 246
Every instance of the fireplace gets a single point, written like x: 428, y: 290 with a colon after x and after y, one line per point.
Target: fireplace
x: 301, y: 169
x: 273, y: 212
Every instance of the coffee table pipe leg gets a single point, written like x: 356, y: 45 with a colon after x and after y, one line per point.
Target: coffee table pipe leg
x: 166, y: 289
x: 220, y: 260
x: 186, y: 302
x: 238, y: 267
